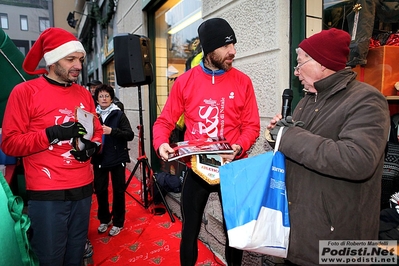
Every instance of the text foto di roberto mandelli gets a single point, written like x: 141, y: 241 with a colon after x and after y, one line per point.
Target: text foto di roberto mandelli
x: 357, y: 251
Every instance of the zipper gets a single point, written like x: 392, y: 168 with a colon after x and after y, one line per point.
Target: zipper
x: 327, y: 213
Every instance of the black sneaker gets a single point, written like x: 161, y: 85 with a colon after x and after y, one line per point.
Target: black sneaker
x: 88, y: 250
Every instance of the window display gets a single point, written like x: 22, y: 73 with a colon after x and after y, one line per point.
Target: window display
x: 177, y: 46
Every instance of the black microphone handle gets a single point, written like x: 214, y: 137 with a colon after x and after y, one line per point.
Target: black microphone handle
x: 287, y: 101
x: 286, y: 110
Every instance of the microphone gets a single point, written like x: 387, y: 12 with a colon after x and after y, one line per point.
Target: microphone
x: 287, y: 100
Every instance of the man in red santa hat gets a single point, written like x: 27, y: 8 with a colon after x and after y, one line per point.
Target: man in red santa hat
x: 39, y: 126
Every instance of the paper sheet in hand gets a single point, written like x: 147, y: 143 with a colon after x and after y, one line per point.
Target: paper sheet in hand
x: 216, y: 145
x: 87, y: 120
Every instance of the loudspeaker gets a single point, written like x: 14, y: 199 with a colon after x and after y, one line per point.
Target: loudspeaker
x: 132, y: 60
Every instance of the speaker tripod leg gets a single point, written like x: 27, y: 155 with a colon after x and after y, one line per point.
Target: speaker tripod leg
x: 159, y: 190
x: 139, y: 162
x: 146, y: 167
x: 164, y: 200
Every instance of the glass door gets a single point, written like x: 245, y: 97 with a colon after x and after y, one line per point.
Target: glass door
x: 176, y: 43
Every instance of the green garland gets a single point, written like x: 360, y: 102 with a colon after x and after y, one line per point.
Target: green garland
x: 95, y: 13
x: 95, y: 17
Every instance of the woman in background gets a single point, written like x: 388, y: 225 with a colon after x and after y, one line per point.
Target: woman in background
x: 112, y: 159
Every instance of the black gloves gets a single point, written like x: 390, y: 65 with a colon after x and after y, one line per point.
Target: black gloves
x: 89, y: 150
x: 83, y: 155
x: 65, y: 131
x: 70, y: 130
x: 286, y: 123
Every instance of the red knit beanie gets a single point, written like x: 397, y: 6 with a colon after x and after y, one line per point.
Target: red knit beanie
x: 53, y: 44
x: 329, y: 47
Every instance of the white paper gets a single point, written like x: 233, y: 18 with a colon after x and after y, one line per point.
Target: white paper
x: 86, y: 119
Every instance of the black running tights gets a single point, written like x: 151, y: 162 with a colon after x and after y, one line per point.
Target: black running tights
x: 194, y: 196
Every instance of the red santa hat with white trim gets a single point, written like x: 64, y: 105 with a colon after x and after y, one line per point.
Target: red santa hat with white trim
x: 53, y: 44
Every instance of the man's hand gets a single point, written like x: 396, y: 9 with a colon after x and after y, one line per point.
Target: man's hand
x: 164, y: 151
x: 269, y: 127
x: 89, y: 150
x: 274, y: 121
x: 65, y: 131
x: 286, y: 123
x: 229, y: 157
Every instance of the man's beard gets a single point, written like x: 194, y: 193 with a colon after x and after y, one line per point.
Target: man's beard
x: 62, y: 74
x: 219, y: 62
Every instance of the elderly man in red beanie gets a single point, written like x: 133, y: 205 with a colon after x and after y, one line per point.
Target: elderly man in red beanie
x: 335, y: 154
x: 217, y: 100
x: 39, y: 126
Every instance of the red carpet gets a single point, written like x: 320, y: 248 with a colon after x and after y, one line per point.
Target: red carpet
x: 146, y: 239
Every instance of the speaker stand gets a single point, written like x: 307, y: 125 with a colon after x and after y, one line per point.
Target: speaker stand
x: 146, y: 168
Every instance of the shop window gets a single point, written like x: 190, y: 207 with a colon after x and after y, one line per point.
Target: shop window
x: 44, y: 23
x: 24, y: 22
x: 373, y: 26
x: 176, y: 43
x: 3, y: 21
x: 22, y: 45
x: 110, y: 71
x: 335, y: 14
x: 370, y: 23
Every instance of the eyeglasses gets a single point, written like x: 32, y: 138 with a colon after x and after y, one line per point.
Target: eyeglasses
x: 300, y: 65
x: 104, y: 96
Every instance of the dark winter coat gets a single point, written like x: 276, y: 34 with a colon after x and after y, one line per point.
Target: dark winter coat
x: 114, y: 148
x: 334, y: 165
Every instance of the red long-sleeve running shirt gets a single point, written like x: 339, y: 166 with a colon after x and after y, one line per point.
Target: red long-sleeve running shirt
x: 33, y: 106
x: 214, y: 104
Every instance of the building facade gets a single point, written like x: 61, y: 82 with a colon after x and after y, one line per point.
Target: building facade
x: 24, y: 20
x: 24, y: 23
x: 263, y: 52
x: 263, y: 49
x: 267, y: 31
